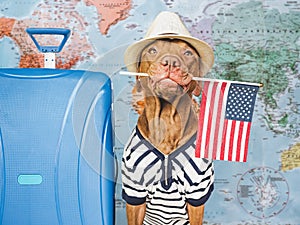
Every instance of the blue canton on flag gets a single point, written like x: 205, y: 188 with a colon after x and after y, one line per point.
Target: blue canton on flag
x: 240, y: 103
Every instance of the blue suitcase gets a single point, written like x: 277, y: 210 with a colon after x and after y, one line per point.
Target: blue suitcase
x: 56, y: 151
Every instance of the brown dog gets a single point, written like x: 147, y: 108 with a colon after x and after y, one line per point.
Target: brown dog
x: 169, y: 118
x: 163, y: 182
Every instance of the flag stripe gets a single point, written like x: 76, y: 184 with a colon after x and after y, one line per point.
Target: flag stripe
x: 223, y: 141
x: 227, y: 139
x: 212, y: 121
x: 206, y: 114
x: 247, y: 142
x: 231, y: 139
x: 235, y: 147
x: 216, y: 121
x: 209, y: 119
x: 243, y: 141
x: 239, y: 141
x: 223, y: 125
x: 199, y: 148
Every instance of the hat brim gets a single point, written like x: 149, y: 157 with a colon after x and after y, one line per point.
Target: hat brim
x: 132, y: 53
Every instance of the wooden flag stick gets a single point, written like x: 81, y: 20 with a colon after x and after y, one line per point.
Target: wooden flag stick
x: 194, y: 78
x: 229, y: 81
x: 134, y: 74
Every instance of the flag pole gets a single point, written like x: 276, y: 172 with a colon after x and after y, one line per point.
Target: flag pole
x: 127, y: 73
x: 228, y: 81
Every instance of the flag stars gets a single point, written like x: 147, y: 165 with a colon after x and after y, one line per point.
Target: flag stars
x: 240, y: 102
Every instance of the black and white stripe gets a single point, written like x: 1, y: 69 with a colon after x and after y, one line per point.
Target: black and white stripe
x: 165, y: 182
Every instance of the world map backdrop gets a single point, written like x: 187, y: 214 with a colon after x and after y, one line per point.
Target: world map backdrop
x: 255, y: 41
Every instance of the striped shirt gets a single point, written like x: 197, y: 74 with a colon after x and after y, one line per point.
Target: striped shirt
x: 165, y: 182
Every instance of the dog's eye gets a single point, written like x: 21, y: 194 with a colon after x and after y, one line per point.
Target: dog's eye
x: 152, y: 51
x: 188, y: 53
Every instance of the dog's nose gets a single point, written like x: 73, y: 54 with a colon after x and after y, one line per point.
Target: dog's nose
x: 170, y: 60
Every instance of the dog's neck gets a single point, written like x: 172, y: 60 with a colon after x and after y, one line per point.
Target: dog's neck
x: 168, y: 125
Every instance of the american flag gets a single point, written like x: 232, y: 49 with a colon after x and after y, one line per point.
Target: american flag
x: 225, y: 120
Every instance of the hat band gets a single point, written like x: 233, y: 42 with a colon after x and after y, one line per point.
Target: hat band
x: 168, y: 34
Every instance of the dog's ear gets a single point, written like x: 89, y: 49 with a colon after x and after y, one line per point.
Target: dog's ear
x: 197, y: 89
x: 202, y: 68
x: 138, y: 98
x: 138, y: 85
x: 196, y: 86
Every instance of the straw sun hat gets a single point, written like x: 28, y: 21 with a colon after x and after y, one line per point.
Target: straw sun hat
x: 168, y: 25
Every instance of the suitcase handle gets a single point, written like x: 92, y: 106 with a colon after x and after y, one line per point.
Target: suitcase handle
x: 51, y: 31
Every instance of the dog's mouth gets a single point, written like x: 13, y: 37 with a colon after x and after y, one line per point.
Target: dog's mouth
x: 167, y: 88
x: 169, y: 85
x: 172, y: 79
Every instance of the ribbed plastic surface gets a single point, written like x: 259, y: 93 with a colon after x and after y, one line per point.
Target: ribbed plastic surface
x: 56, y: 157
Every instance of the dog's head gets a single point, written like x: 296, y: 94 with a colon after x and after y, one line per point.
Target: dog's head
x: 171, y: 65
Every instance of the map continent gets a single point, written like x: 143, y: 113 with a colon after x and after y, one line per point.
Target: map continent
x: 290, y: 158
x: 109, y: 13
